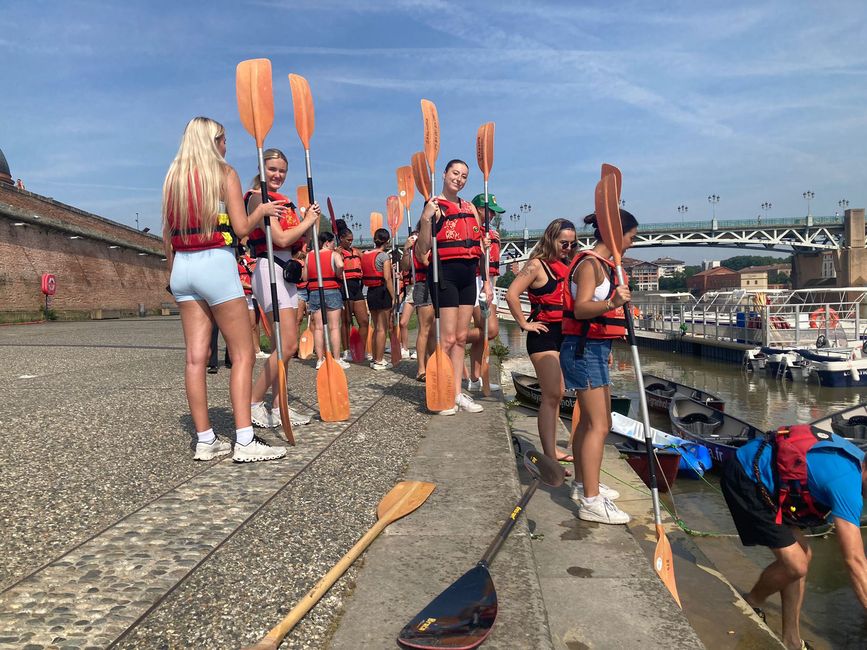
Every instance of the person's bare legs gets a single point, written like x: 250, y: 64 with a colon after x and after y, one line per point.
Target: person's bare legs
x: 547, y: 365
x: 424, y: 337
x: 196, y: 321
x: 230, y: 319
x: 589, y: 442
x: 405, y: 316
x: 380, y: 321
x: 318, y: 334
x: 454, y: 323
x: 362, y: 317
x: 334, y: 318
x: 269, y: 376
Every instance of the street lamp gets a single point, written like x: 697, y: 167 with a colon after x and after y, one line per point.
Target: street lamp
x: 683, y: 209
x: 525, y: 209
x: 767, y: 205
x: 713, y: 199
x: 843, y: 203
x: 136, y: 222
x: 808, y: 196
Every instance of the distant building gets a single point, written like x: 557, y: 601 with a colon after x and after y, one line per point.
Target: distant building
x: 785, y: 269
x: 645, y: 276
x: 709, y: 264
x: 670, y: 266
x: 718, y: 278
x: 753, y: 280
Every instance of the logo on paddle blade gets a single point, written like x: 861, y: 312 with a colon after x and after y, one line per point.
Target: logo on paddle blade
x: 658, y: 564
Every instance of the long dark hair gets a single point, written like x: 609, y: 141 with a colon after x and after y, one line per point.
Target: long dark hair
x: 381, y: 236
x: 627, y: 221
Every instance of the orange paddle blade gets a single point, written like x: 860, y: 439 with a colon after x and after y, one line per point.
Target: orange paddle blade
x: 302, y: 102
x: 618, y: 177
x: 608, y: 216
x: 663, y: 563
x: 375, y: 223
x: 421, y: 175
x: 305, y: 343
x: 303, y: 197
x: 485, y: 148
x: 405, y: 188
x: 431, y: 132
x: 283, y: 401
x: 439, y: 381
x: 395, y: 214
x: 332, y: 391
x: 255, y: 97
x: 263, y: 318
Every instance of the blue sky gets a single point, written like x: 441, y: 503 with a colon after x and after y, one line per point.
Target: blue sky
x: 754, y: 102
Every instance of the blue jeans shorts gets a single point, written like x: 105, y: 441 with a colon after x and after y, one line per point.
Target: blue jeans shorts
x: 210, y: 275
x: 333, y: 300
x: 589, y: 370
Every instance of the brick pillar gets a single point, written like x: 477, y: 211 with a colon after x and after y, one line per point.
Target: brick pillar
x: 854, y: 262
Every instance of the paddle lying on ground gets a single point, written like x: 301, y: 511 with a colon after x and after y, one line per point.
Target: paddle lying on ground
x: 611, y: 229
x: 464, y: 613
x: 395, y: 217
x: 256, y: 108
x: 404, y: 498
x: 439, y: 372
x: 356, y: 350
x: 485, y: 157
x: 332, y: 391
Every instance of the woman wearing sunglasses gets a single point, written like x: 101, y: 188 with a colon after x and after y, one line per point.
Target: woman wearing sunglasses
x: 542, y: 278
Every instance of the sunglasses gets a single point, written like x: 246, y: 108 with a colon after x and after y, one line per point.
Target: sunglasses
x: 570, y: 245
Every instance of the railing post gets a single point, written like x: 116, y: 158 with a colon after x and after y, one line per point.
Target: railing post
x: 766, y: 324
x: 797, y: 326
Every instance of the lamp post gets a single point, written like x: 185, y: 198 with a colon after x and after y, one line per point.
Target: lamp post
x: 683, y: 209
x: 767, y: 205
x: 844, y: 204
x: 136, y: 222
x: 808, y: 196
x: 525, y: 209
x: 713, y: 199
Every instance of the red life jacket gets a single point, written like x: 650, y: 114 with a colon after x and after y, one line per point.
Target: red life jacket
x: 257, y: 241
x: 789, y: 447
x: 351, y: 263
x: 246, y: 264
x: 192, y: 238
x: 329, y: 277
x: 420, y: 269
x: 458, y: 232
x: 546, y: 302
x: 370, y: 277
x: 610, y: 325
x: 494, y: 267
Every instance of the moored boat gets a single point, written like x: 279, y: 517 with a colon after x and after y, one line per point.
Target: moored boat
x: 849, y: 423
x: 667, y: 460
x: 529, y: 392
x: 695, y: 458
x: 837, y: 369
x: 721, y: 433
x: 659, y: 393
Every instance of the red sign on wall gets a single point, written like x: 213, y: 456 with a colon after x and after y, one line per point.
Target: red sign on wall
x: 49, y: 284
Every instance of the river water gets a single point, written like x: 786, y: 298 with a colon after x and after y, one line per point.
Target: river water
x: 832, y: 615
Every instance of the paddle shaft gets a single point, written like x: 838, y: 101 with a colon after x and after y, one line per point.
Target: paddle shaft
x: 436, y: 262
x: 509, y: 523
x: 322, y: 310
x: 642, y: 400
x: 275, y: 309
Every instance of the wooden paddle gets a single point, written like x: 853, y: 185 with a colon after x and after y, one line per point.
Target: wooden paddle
x: 406, y: 191
x: 421, y: 174
x: 332, y: 391
x: 395, y: 217
x: 256, y: 108
x: 375, y: 223
x: 463, y: 614
x: 305, y: 343
x: 440, y: 377
x: 485, y: 157
x: 402, y: 499
x: 353, y: 344
x: 611, y: 229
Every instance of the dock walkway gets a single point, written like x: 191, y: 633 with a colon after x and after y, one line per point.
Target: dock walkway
x: 112, y: 535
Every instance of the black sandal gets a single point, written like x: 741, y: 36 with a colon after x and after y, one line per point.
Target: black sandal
x: 421, y: 378
x: 758, y: 610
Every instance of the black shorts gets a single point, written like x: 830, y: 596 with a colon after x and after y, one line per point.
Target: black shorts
x: 356, y: 290
x: 753, y: 517
x: 457, y: 284
x: 549, y: 341
x: 378, y: 298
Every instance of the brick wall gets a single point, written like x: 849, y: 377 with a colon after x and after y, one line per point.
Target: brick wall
x: 90, y: 275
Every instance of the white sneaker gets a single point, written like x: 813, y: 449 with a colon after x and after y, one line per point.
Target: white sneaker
x: 264, y: 418
x: 343, y: 364
x: 262, y: 355
x: 413, y: 354
x: 476, y: 386
x: 319, y: 363
x: 405, y: 354
x: 604, y: 491
x: 466, y: 403
x: 368, y: 356
x: 210, y: 450
x: 450, y: 411
x: 346, y: 356
x: 296, y: 419
x: 380, y: 365
x: 257, y: 450
x: 603, y: 511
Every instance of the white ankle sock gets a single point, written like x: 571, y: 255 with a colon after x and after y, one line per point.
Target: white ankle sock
x: 257, y: 403
x: 244, y: 436
x: 591, y: 500
x: 206, y: 436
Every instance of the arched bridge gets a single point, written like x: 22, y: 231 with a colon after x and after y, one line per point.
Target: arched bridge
x: 804, y: 234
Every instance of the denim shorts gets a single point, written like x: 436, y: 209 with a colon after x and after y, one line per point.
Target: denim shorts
x: 210, y: 275
x: 333, y: 300
x: 589, y: 370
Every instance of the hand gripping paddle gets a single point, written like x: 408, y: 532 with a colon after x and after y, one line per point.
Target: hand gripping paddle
x: 256, y: 108
x: 462, y: 616
x: 332, y: 391
x: 404, y: 498
x: 611, y: 229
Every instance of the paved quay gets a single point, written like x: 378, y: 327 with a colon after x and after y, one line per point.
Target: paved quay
x: 112, y: 535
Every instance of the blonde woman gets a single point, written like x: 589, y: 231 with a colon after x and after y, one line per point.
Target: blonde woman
x: 203, y: 214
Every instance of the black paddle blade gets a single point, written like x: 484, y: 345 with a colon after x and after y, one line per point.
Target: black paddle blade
x: 461, y: 617
x: 547, y: 470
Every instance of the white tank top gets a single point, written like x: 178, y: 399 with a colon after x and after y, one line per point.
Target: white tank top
x: 600, y: 293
